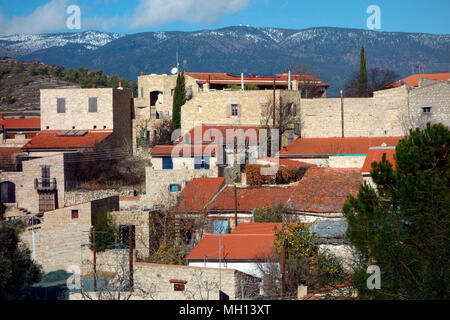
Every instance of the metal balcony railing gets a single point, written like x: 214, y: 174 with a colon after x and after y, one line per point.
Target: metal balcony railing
x: 45, y: 184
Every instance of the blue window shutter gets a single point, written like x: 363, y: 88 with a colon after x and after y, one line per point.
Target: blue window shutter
x: 206, y: 161
x: 167, y: 163
x: 197, y: 163
x: 220, y: 226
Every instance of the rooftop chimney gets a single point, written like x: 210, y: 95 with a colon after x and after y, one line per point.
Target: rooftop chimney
x: 93, y: 86
x: 120, y: 86
x: 142, y: 73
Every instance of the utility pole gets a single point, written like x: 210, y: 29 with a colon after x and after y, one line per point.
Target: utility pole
x: 235, y: 208
x: 283, y: 257
x: 94, y: 249
x: 342, y: 112
x: 274, y: 102
x: 130, y: 240
x: 33, y: 237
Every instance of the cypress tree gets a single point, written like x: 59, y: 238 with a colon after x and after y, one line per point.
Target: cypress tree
x: 362, y: 74
x: 179, y: 99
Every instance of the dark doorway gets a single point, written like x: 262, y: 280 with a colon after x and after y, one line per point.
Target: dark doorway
x: 8, y: 192
x: 154, y: 97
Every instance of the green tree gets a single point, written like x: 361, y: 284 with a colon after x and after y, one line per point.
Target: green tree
x: 304, y: 262
x: 32, y: 69
x: 362, y: 74
x: 179, y: 99
x: 105, y: 232
x: 17, y: 271
x: 403, y: 226
x: 269, y: 214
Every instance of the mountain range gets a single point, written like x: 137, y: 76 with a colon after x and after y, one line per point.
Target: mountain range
x: 330, y: 53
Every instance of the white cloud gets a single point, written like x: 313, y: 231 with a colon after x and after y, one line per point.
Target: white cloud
x: 47, y: 18
x: 52, y: 16
x: 157, y: 12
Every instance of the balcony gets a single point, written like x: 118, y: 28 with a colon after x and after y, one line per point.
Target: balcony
x: 45, y: 184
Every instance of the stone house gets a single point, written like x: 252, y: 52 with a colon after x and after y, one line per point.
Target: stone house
x: 61, y: 235
x: 349, y: 152
x: 72, y: 121
x: 429, y: 102
x: 258, y: 252
x: 206, y: 103
x: 319, y: 195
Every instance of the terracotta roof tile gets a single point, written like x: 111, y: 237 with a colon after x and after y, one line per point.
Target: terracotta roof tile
x: 183, y: 150
x: 375, y: 155
x: 227, y: 78
x: 257, y: 247
x: 51, y: 140
x: 249, y: 198
x: 324, y: 190
x: 335, y: 146
x: 413, y: 80
x: 25, y: 123
x: 198, y: 192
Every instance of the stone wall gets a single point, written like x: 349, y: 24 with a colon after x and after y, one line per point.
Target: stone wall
x: 140, y: 219
x: 377, y: 116
x: 434, y: 94
x: 157, y: 183
x: 214, y: 106
x: 81, y: 196
x: 60, y: 236
x: 157, y: 279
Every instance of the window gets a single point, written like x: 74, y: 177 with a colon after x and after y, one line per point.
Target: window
x: 167, y: 163
x: 172, y: 92
x: 75, y: 214
x: 199, y: 109
x: 93, y: 104
x: 234, y: 110
x: 426, y: 109
x: 45, y: 170
x: 174, y: 188
x: 142, y: 92
x: 178, y: 285
x: 47, y: 127
x: 201, y: 163
x: 124, y: 235
x: 220, y: 226
x: 61, y: 105
x: 95, y: 127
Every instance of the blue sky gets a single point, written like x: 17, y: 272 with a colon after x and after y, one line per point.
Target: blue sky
x: 131, y: 16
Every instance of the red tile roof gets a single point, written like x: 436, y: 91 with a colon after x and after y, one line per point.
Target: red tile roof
x: 185, y: 150
x: 335, y: 146
x: 413, y: 80
x: 198, y: 192
x: 209, y: 133
x: 324, y: 190
x: 258, y: 228
x: 375, y: 155
x: 249, y: 198
x: 25, y: 123
x: 281, y: 79
x: 234, y: 246
x: 290, y: 163
x: 50, y: 140
x: 6, y: 154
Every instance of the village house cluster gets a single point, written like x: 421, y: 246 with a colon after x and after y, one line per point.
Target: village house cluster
x: 202, y: 174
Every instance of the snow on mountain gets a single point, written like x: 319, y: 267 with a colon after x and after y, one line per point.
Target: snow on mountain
x: 23, y: 44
